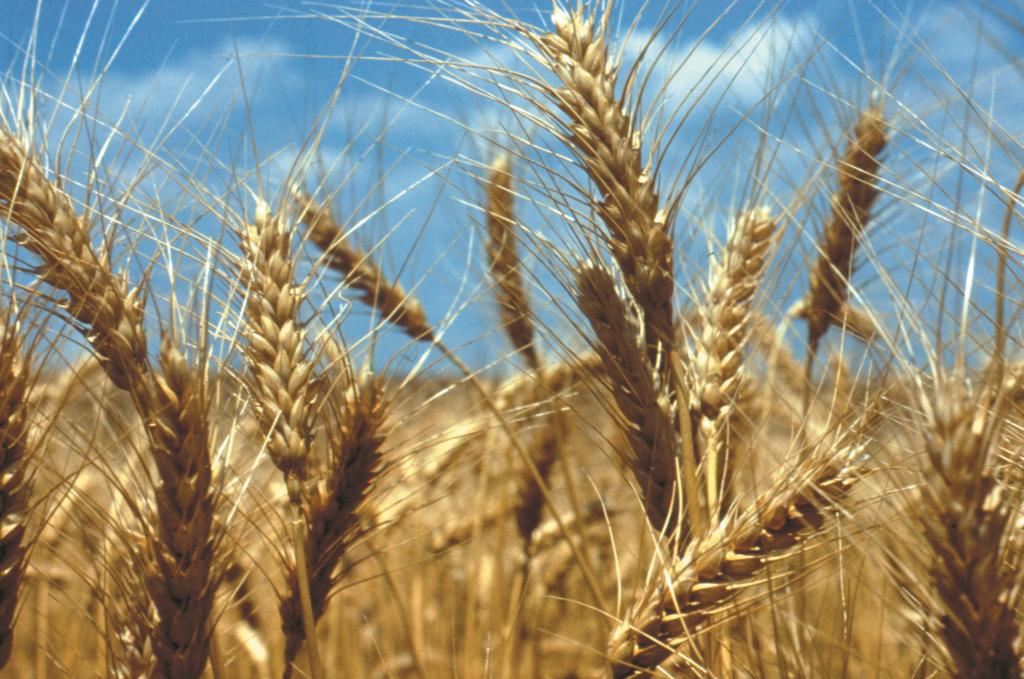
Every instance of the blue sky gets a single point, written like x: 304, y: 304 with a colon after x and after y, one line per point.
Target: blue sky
x: 173, y: 73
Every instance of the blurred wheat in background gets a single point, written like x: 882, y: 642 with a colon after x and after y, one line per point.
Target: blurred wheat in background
x: 669, y: 339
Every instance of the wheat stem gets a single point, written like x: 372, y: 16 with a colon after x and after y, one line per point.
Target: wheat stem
x: 639, y: 391
x: 609, y: 145
x: 727, y: 560
x: 172, y: 402
x: 283, y: 382
x: 829, y: 284
x: 504, y: 263
x: 719, y: 359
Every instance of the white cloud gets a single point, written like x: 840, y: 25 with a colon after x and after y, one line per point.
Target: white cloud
x: 742, y: 67
x: 200, y: 82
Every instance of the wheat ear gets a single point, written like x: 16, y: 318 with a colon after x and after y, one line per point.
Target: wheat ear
x: 361, y: 273
x: 609, y: 146
x: 336, y: 504
x: 503, y: 260
x: 851, y: 208
x: 966, y: 520
x: 725, y: 328
x: 15, y: 450
x: 284, y: 385
x: 407, y: 313
x: 181, y: 578
x: 725, y: 561
x: 638, y: 389
x: 98, y: 299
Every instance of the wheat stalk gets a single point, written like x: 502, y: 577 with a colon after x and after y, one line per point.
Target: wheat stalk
x: 829, y: 284
x: 98, y: 299
x: 638, y: 389
x: 724, y: 562
x: 337, y: 502
x: 719, y: 356
x: 181, y: 577
x: 503, y: 258
x: 282, y: 373
x: 965, y: 517
x: 284, y: 385
x: 361, y: 273
x: 608, y: 143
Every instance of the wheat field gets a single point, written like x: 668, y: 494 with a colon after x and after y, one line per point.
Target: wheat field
x: 722, y: 376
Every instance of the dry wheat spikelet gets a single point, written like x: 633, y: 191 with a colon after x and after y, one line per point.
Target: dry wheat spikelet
x: 609, y: 146
x: 282, y: 374
x: 284, y: 386
x: 109, y: 313
x: 712, y: 570
x: 719, y: 356
x: 395, y: 305
x: 181, y: 575
x: 503, y: 260
x: 639, y: 392
x: 336, y: 504
x: 184, y: 576
x: 829, y: 284
x: 16, y: 445
x: 965, y: 517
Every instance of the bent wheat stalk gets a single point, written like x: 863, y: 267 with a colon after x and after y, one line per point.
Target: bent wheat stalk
x: 724, y: 562
x: 361, y: 273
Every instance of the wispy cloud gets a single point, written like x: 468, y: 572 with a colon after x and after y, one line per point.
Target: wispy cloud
x: 741, y: 67
x: 199, y: 83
